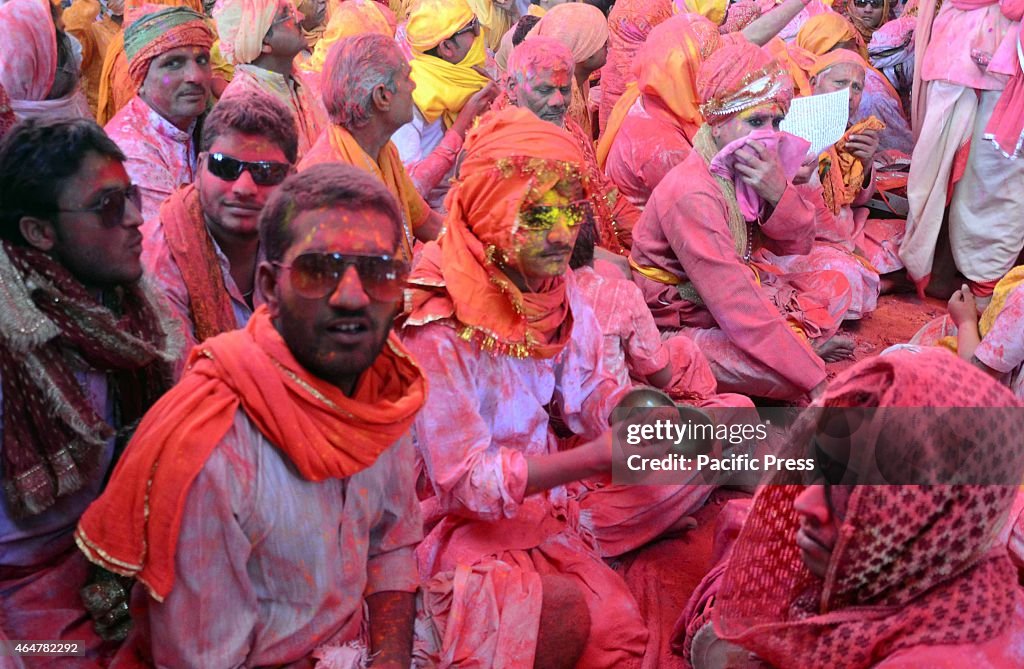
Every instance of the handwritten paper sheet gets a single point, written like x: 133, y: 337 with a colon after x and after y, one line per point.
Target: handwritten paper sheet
x: 820, y: 119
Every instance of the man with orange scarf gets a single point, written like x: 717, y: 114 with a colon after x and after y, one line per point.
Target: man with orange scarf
x: 282, y: 459
x: 204, y: 249
x: 510, y: 346
x: 539, y: 78
x: 888, y: 556
x: 452, y: 89
x: 696, y: 254
x: 652, y: 126
x: 168, y: 52
x: 369, y: 95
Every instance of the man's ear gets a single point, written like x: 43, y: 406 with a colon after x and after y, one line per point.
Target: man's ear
x: 38, y: 232
x: 266, y: 280
x: 381, y: 97
x: 813, y: 81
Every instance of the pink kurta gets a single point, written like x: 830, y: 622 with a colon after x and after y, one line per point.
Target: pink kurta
x: 648, y: 145
x: 485, y: 414
x: 160, y: 157
x: 744, y: 323
x: 270, y: 566
x: 1002, y: 349
x: 306, y: 107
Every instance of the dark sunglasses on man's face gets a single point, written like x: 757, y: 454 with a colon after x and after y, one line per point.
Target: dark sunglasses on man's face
x: 264, y: 172
x: 111, y: 205
x: 471, y: 27
x: 876, y: 4
x: 315, y: 275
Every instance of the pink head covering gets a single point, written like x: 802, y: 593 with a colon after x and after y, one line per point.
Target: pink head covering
x: 914, y: 565
x: 28, y: 59
x: 738, y: 77
x: 581, y: 27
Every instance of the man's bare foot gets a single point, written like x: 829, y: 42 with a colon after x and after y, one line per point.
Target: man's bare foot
x: 835, y: 349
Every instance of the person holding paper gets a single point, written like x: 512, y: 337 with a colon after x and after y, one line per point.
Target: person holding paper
x: 699, y: 261
x: 846, y: 241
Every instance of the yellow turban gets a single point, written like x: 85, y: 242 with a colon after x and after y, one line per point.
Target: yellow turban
x: 581, y: 27
x: 713, y: 10
x: 433, y: 21
x: 493, y: 19
x: 353, y: 17
x: 242, y: 25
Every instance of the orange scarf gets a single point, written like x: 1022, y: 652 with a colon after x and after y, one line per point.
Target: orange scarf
x: 132, y: 529
x: 509, y: 156
x: 191, y: 246
x: 841, y: 172
x: 388, y: 168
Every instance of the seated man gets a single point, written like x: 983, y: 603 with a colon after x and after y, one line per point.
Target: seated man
x: 696, y: 256
x: 269, y: 495
x: 509, y: 345
x: 845, y: 240
x: 84, y: 353
x: 169, y: 63
x: 368, y: 93
x: 848, y: 573
x: 261, y: 38
x: 447, y: 56
x: 95, y: 25
x: 204, y: 249
x: 539, y: 78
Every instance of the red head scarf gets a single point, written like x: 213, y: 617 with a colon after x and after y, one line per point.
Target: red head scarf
x: 512, y: 157
x: 914, y: 565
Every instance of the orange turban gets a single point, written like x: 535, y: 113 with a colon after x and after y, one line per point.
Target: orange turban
x: 581, y: 27
x: 824, y: 31
x: 153, y: 30
x: 512, y: 157
x: 833, y: 58
x: 739, y: 77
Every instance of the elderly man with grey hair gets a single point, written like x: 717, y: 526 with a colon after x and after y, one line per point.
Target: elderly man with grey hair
x: 368, y: 95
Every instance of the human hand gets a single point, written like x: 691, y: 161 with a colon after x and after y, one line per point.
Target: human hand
x: 106, y: 600
x: 863, y: 146
x: 476, y: 105
x: 761, y: 170
x: 806, y: 171
x: 962, y: 308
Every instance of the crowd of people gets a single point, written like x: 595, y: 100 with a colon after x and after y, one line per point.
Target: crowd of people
x: 316, y: 319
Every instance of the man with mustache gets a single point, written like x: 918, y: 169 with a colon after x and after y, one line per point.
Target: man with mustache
x: 83, y: 354
x: 169, y: 64
x: 204, y: 249
x: 266, y: 504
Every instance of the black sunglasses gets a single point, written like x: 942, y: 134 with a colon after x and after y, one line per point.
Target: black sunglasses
x: 471, y: 27
x: 315, y: 275
x: 111, y: 205
x: 264, y: 172
x: 876, y: 4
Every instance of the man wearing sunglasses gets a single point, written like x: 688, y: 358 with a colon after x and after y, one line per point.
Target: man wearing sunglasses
x: 285, y: 453
x: 169, y: 64
x: 83, y: 354
x: 204, y: 248
x: 262, y: 38
x: 448, y: 56
x: 369, y: 95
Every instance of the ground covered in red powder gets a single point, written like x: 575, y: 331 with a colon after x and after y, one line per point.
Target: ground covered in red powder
x: 895, y: 321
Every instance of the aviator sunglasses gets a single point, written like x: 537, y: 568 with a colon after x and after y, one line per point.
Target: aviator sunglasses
x: 264, y: 172
x: 111, y: 205
x: 315, y: 275
x: 876, y: 4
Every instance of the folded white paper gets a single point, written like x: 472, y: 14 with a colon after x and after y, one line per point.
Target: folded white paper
x: 820, y: 119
